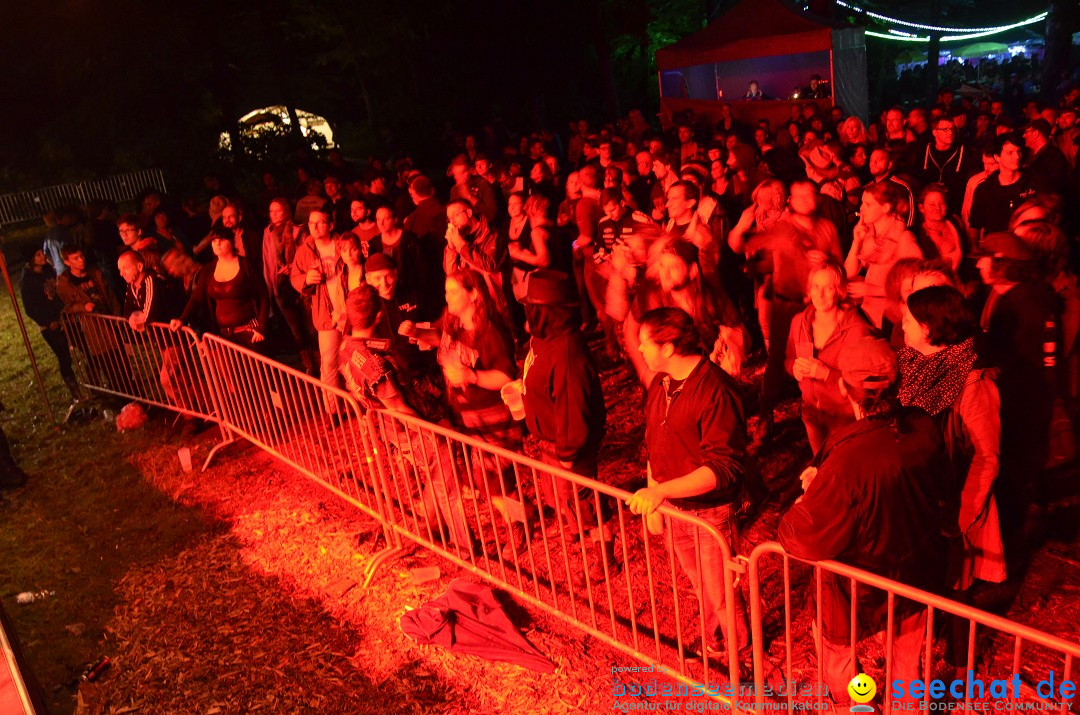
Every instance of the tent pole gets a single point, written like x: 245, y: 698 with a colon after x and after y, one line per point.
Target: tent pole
x: 26, y: 338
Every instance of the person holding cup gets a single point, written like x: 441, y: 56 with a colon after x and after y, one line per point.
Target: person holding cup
x: 563, y: 399
x: 817, y: 337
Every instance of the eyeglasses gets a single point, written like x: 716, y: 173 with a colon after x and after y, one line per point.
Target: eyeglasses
x: 945, y: 129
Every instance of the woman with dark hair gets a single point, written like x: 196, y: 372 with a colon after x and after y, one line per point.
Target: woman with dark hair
x: 938, y: 234
x: 231, y: 294
x: 940, y: 373
x: 815, y: 341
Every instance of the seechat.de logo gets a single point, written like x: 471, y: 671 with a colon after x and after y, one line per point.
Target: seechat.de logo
x: 862, y: 690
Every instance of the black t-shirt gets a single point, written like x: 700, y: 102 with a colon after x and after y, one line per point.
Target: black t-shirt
x: 993, y: 204
x: 491, y: 348
x: 88, y: 285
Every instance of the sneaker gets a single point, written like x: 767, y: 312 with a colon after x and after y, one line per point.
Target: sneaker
x: 516, y: 542
x: 717, y: 655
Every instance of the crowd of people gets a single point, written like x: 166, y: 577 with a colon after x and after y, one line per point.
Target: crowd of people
x: 912, y: 280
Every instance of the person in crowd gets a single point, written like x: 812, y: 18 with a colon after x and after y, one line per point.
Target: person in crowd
x: 281, y: 237
x: 352, y: 273
x: 989, y: 164
x: 472, y: 243
x: 400, y: 305
x: 817, y: 338
x: 311, y: 199
x: 337, y: 202
x: 316, y: 275
x: 149, y: 298
x: 230, y: 298
x: 880, y: 239
x: 378, y: 382
x: 134, y: 240
x: 563, y: 401
x: 61, y: 233
x: 695, y: 434
x: 882, y: 168
x: 84, y: 290
x: 1046, y: 161
x: 940, y: 372
x: 403, y: 246
x: 753, y: 91
x: 1001, y: 193
x: 182, y: 269
x: 883, y: 514
x: 45, y: 307
x: 428, y: 220
x: 476, y: 353
x: 165, y: 234
x: 1019, y: 323
x: 795, y: 244
x: 476, y: 192
x: 528, y: 250
x: 938, y: 233
x: 948, y: 162
x: 364, y: 225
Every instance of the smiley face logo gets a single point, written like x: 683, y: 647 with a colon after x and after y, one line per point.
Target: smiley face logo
x: 862, y: 688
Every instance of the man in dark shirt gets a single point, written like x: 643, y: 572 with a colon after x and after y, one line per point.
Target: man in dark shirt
x: 996, y: 198
x: 946, y: 160
x: 695, y: 431
x: 874, y: 499
x: 44, y: 307
x: 1046, y: 162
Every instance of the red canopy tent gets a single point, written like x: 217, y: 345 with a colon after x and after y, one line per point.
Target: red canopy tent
x: 772, y: 42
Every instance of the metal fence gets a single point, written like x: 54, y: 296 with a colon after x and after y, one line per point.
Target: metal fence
x: 902, y: 619
x: 35, y: 203
x: 563, y: 543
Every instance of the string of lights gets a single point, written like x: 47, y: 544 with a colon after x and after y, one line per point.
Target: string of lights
x: 962, y: 33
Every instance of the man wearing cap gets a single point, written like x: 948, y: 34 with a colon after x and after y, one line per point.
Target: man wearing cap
x: 874, y: 499
x: 1019, y: 323
x: 695, y: 432
x: 564, y: 402
x: 398, y: 305
x: 1046, y: 162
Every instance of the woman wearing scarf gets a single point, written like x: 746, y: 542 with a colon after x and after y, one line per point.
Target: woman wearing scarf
x: 940, y: 373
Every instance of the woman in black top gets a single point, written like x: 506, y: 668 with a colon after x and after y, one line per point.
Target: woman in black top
x: 231, y: 295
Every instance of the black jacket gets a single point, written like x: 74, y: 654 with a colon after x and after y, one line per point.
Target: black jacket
x: 704, y: 426
x: 883, y: 493
x: 879, y: 499
x: 39, y: 297
x: 564, y: 400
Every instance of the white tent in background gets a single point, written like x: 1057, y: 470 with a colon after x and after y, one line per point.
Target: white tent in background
x: 274, y: 117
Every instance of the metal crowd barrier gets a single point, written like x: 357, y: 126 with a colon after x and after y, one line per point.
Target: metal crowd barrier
x: 35, y: 203
x: 585, y: 559
x: 919, y: 609
x: 317, y: 429
x: 446, y: 495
